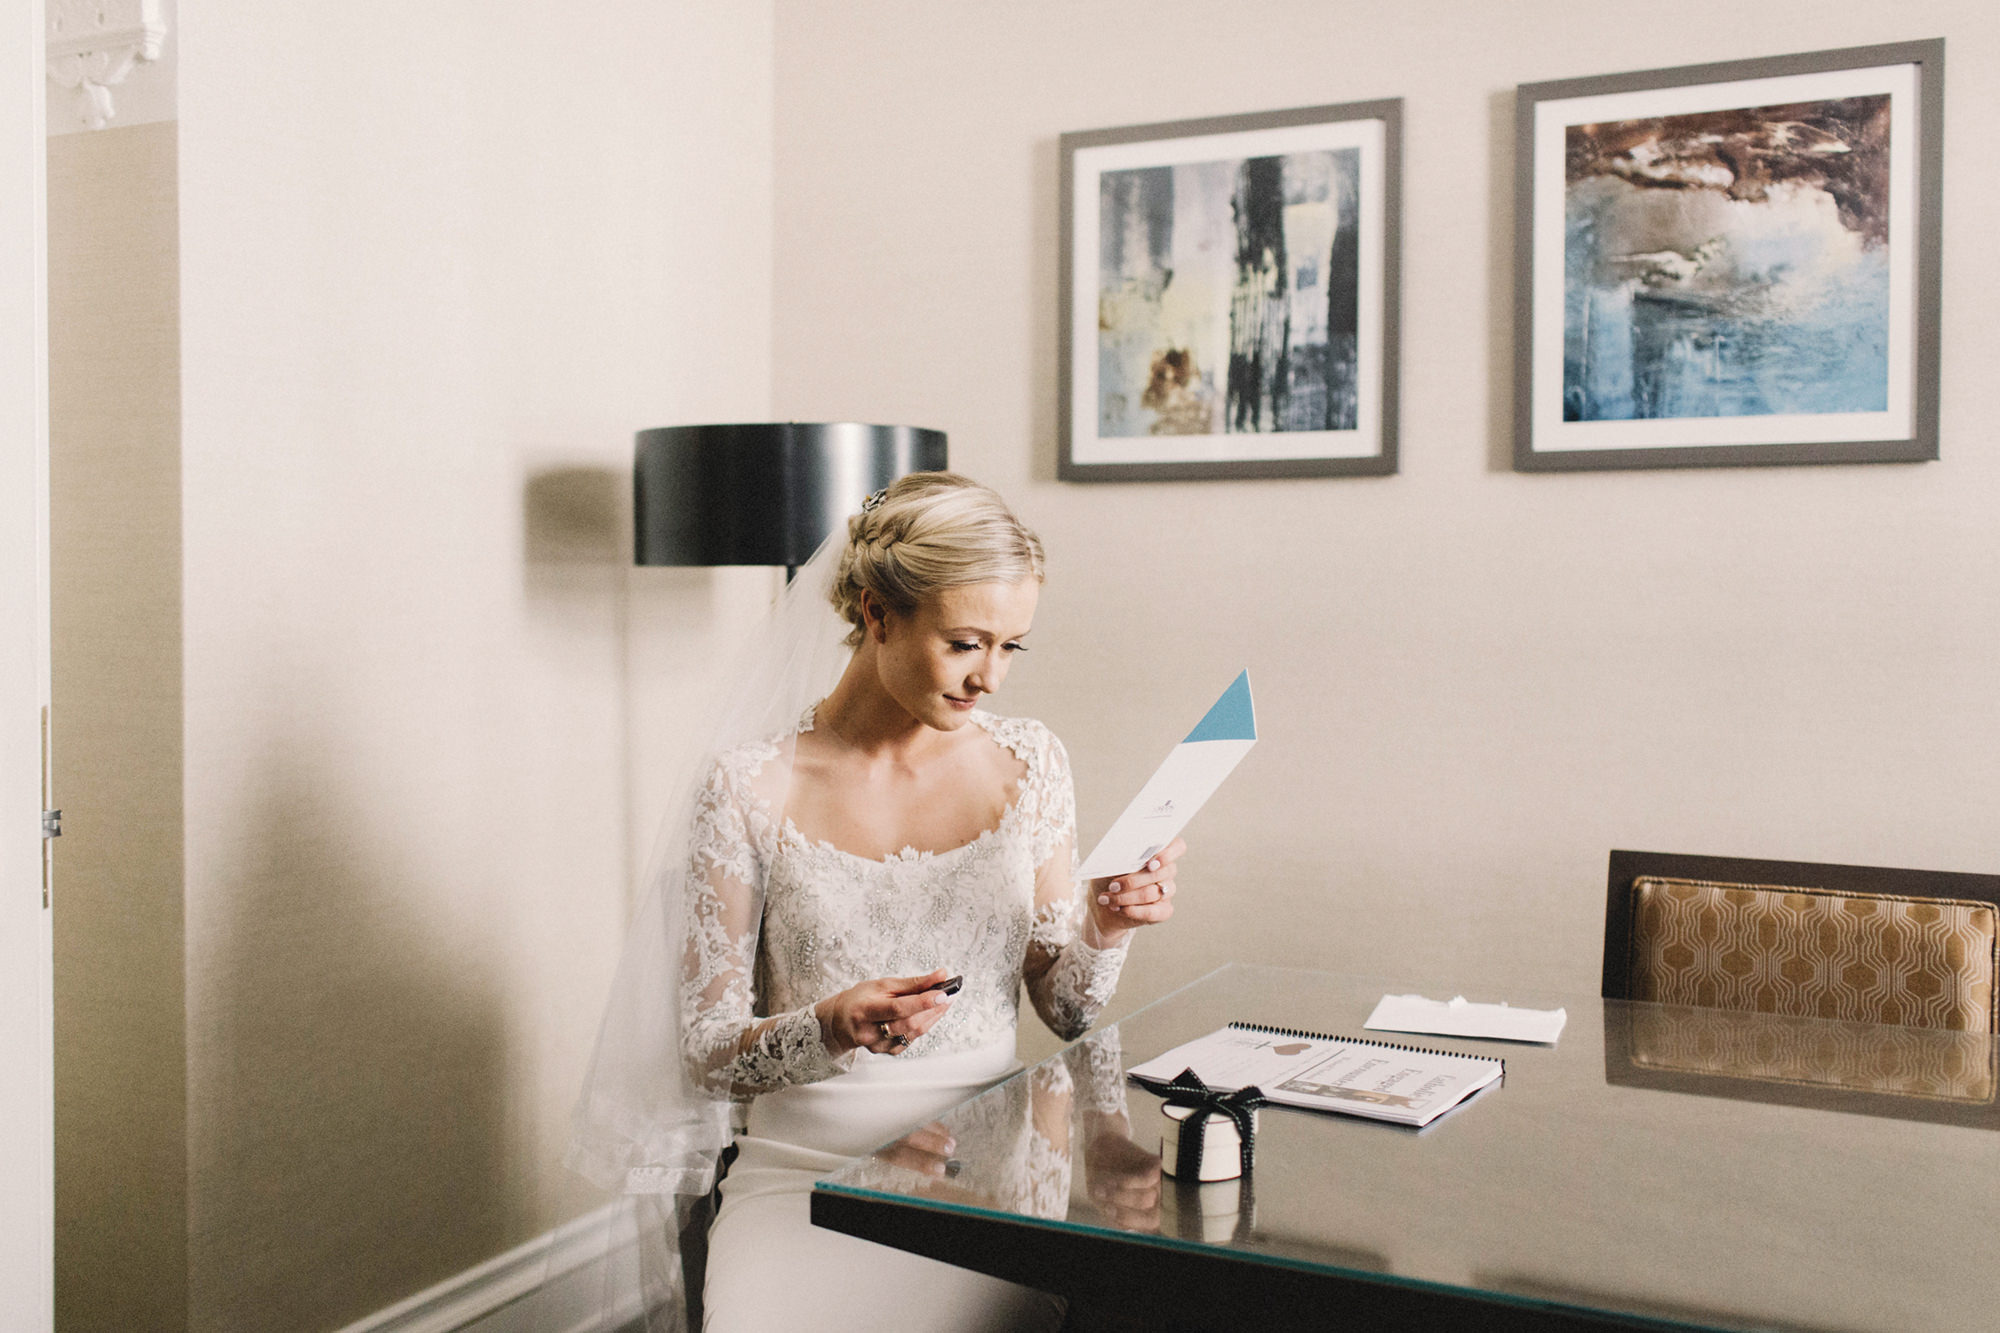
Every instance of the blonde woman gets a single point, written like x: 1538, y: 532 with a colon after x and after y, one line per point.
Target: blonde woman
x: 861, y: 896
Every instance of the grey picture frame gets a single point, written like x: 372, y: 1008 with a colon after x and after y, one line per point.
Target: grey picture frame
x: 1540, y: 444
x: 1074, y: 453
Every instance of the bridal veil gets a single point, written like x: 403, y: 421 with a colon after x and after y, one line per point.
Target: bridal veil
x: 645, y: 1123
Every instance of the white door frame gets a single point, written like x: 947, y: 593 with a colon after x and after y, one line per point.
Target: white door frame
x: 27, y: 1196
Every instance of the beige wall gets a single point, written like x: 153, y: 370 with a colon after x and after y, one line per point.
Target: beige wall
x: 1472, y: 683
x: 354, y: 771
x: 438, y: 263
x: 115, y: 506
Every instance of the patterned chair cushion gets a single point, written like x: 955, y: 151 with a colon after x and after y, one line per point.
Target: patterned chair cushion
x: 1814, y: 953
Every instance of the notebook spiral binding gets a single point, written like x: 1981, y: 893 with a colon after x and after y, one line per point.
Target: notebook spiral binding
x: 1303, y: 1035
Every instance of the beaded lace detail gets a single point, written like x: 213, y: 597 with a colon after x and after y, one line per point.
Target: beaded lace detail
x: 1000, y: 909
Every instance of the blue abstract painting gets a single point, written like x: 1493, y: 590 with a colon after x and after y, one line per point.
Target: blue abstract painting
x: 1228, y: 295
x: 1728, y: 263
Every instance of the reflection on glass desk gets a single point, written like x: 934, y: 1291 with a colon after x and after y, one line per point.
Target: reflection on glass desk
x: 1858, y: 1068
x: 1821, y: 1176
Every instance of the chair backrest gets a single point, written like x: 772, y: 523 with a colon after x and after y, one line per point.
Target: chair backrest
x: 1864, y: 943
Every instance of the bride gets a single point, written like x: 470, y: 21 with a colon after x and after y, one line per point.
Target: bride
x: 850, y: 902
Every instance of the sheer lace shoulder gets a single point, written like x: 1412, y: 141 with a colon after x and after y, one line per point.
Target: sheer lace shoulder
x: 1068, y: 981
x: 1048, y: 799
x: 734, y: 819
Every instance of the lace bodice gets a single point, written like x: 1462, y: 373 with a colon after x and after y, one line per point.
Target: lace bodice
x: 1000, y: 909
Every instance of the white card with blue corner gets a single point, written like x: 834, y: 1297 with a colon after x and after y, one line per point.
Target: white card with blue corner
x: 1180, y: 786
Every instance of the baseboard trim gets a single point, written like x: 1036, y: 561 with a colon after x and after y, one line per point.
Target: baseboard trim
x: 456, y: 1304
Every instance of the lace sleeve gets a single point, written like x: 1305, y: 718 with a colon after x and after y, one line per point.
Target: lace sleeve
x: 1046, y: 1177
x: 731, y: 1049
x: 1069, y: 982
x: 1097, y: 1069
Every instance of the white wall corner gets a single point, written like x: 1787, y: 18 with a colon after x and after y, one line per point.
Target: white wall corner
x: 94, y: 44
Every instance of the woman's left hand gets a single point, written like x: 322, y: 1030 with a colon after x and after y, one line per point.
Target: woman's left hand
x: 1142, y: 898
x: 1122, y: 1178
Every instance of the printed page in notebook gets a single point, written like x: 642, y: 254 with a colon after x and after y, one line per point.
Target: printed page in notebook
x: 1340, y: 1074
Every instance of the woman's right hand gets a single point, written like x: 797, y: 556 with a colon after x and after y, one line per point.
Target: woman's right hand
x: 883, y: 1015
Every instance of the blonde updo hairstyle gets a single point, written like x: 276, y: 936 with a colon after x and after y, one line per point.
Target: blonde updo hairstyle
x: 930, y: 531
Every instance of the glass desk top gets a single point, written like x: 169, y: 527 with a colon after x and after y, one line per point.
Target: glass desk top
x: 1672, y: 1166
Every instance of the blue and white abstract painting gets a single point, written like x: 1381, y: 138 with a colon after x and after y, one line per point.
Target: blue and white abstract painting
x: 1728, y: 263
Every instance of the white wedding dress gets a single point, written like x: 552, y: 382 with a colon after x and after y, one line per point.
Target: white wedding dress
x: 1000, y: 910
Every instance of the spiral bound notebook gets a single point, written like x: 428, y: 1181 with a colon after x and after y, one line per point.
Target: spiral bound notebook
x: 1406, y: 1085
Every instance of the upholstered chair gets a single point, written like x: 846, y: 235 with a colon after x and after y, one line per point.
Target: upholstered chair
x: 1877, y: 983
x: 1860, y: 943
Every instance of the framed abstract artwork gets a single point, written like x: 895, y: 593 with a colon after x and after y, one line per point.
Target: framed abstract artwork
x: 1229, y: 296
x: 1731, y: 264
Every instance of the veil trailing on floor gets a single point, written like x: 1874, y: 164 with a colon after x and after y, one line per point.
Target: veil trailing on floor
x: 647, y: 1127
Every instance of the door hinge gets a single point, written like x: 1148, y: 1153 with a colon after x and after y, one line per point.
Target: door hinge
x: 51, y: 819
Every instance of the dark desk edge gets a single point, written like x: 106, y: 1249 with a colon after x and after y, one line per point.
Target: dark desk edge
x: 1203, y: 1287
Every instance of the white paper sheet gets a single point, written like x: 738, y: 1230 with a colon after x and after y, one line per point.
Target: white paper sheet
x: 1460, y: 1017
x: 1180, y: 786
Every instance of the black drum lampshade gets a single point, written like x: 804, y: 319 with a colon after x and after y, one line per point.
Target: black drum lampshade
x: 764, y: 493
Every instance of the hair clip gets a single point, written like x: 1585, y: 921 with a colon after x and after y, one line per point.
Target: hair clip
x: 868, y: 505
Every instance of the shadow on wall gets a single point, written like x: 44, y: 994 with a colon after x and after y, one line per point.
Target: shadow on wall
x: 577, y: 553
x: 1502, y: 312
x: 577, y: 516
x: 351, y: 1110
x: 1044, y: 412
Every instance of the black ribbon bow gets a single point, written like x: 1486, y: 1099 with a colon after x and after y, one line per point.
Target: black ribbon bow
x: 1188, y: 1090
